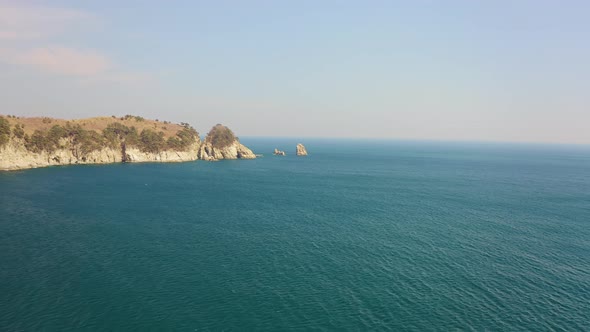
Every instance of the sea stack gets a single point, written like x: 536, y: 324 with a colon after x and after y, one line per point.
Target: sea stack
x: 301, y: 150
x: 279, y: 153
x: 221, y: 143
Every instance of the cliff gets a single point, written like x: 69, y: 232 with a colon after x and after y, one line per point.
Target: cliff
x: 15, y: 156
x: 39, y: 142
x: 236, y: 150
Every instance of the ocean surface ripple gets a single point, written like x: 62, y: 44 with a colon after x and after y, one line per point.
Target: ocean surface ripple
x: 368, y: 235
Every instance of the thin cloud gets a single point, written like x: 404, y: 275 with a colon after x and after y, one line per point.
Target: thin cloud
x: 29, y: 35
x: 18, y: 23
x: 60, y: 60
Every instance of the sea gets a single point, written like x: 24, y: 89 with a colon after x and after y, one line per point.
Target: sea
x: 361, y: 235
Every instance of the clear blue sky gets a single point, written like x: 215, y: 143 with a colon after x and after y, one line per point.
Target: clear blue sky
x: 451, y: 70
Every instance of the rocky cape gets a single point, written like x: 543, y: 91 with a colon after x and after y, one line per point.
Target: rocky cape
x: 55, y: 142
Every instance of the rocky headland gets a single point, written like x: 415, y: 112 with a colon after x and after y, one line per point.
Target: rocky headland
x: 39, y: 142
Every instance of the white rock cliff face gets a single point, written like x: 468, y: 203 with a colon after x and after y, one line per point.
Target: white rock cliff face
x: 136, y: 155
x: 15, y: 156
x: 236, y: 150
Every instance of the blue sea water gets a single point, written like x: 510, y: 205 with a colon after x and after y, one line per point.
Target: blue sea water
x: 359, y: 235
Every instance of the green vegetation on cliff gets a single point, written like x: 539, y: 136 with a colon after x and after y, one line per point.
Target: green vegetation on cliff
x: 82, y: 141
x: 85, y: 136
x: 151, y: 141
x: 19, y: 131
x: 4, y: 131
x: 183, y: 139
x: 221, y: 136
x: 117, y: 133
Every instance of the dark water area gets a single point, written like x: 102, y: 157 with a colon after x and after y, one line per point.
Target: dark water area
x: 359, y: 235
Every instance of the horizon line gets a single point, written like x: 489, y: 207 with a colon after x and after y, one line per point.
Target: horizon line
x: 431, y: 140
x: 445, y: 140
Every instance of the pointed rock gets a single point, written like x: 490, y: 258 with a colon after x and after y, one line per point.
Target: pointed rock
x: 301, y: 150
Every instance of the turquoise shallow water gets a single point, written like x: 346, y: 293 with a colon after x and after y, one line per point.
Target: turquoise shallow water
x: 358, y: 236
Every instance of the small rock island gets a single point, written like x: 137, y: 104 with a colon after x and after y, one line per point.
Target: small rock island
x: 42, y: 141
x: 301, y: 151
x: 221, y: 143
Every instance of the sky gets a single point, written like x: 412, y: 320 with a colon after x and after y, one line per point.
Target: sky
x: 439, y: 70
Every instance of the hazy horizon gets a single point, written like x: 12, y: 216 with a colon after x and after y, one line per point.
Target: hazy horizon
x: 454, y: 71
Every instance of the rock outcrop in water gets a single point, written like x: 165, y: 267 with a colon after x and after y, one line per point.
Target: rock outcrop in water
x: 39, y: 142
x: 221, y: 143
x: 301, y: 151
x: 235, y: 150
x: 278, y: 152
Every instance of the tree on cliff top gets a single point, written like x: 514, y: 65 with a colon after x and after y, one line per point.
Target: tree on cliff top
x: 117, y: 133
x: 4, y: 131
x: 151, y: 141
x: 220, y: 136
x: 81, y: 141
x: 183, y: 139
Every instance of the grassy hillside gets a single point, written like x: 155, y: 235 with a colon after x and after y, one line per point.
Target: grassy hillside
x: 97, y: 124
x: 48, y: 134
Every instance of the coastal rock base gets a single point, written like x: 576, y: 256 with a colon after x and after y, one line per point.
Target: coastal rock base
x: 235, y: 150
x: 14, y: 156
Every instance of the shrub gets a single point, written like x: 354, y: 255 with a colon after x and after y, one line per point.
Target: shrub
x: 132, y: 137
x: 74, y: 132
x: 173, y: 143
x: 134, y: 117
x: 114, y: 131
x: 91, y: 141
x: 220, y: 136
x: 83, y: 141
x: 19, y: 131
x: 117, y: 132
x: 36, y: 143
x: 188, y: 135
x: 49, y: 140
x: 4, y: 131
x: 183, y: 139
x: 151, y: 141
x: 53, y: 136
